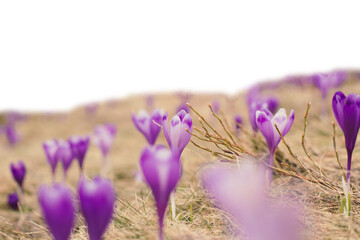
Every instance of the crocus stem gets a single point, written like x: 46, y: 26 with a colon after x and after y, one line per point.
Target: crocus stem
x: 173, y: 206
x: 269, y: 171
x: 348, y: 169
x: 104, y: 166
x: 161, y: 231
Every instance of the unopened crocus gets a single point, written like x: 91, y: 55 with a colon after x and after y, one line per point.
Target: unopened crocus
x: 266, y: 121
x: 162, y: 171
x: 79, y: 146
x: 104, y: 136
x: 13, y: 200
x: 12, y: 135
x: 18, y: 171
x: 97, y: 199
x: 50, y: 149
x: 347, y: 114
x: 56, y: 202
x: 65, y: 155
x: 149, y: 126
x: 176, y: 134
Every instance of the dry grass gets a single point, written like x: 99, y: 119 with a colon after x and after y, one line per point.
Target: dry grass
x: 316, y: 183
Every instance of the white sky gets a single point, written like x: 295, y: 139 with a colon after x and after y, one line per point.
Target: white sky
x: 55, y: 55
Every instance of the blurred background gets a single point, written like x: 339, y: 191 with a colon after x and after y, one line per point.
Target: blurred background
x: 58, y: 55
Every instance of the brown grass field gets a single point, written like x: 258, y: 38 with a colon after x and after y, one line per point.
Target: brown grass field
x: 135, y: 216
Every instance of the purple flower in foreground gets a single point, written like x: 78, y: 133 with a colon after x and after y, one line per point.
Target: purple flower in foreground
x: 97, y: 199
x: 240, y: 192
x: 12, y: 135
x: 13, y: 200
x: 50, y: 148
x: 64, y: 154
x: 79, y: 147
x: 347, y: 114
x: 161, y: 170
x: 176, y: 134
x: 57, y: 206
x: 18, y: 171
x: 266, y: 121
x: 104, y: 136
x: 149, y: 126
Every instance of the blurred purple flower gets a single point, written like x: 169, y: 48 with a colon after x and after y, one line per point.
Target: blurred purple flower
x: 12, y: 135
x: 13, y: 200
x: 325, y: 81
x: 57, y: 206
x: 64, y: 154
x: 50, y: 149
x: 149, y: 100
x: 18, y: 171
x: 240, y: 192
x: 176, y: 134
x: 91, y: 108
x: 347, y: 114
x: 79, y: 146
x: 183, y: 107
x: 266, y: 121
x: 238, y: 122
x: 97, y: 199
x: 104, y: 136
x: 161, y: 170
x: 149, y: 126
x: 215, y: 106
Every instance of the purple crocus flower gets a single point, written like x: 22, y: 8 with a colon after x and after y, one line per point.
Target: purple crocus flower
x: 57, y: 206
x: 161, y: 170
x: 183, y: 106
x: 266, y: 121
x: 50, y: 148
x: 91, y: 108
x: 18, y: 171
x: 258, y: 103
x: 347, y: 114
x: 238, y: 122
x: 215, y: 106
x: 176, y: 134
x: 13, y: 200
x: 149, y: 126
x: 104, y: 136
x: 97, y: 199
x: 64, y: 154
x: 79, y: 147
x: 324, y: 82
x: 12, y: 135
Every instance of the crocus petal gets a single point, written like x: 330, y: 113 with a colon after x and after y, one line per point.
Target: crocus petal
x: 266, y: 128
x: 289, y: 123
x: 338, y: 107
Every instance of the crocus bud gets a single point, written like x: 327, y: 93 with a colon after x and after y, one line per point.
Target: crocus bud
x: 79, y: 147
x: 266, y: 121
x: 64, y: 154
x: 18, y: 171
x: 12, y: 135
x: 57, y: 206
x: 104, y: 136
x: 50, y: 148
x: 324, y: 82
x: 161, y: 170
x: 176, y: 134
x: 148, y: 125
x: 347, y: 114
x: 97, y: 199
x: 13, y: 200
